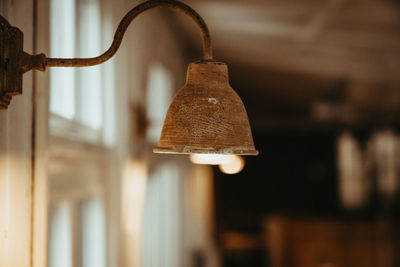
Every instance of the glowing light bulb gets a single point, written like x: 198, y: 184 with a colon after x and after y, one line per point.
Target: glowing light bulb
x: 235, y: 165
x: 210, y: 159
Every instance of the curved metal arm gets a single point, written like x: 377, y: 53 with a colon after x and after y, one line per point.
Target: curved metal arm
x: 123, y: 25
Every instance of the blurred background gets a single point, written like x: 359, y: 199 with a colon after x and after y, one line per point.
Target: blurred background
x: 321, y: 84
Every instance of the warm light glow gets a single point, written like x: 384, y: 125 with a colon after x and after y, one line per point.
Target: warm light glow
x: 384, y: 148
x: 353, y: 188
x: 235, y: 165
x: 133, y: 189
x: 133, y: 196
x: 211, y: 159
x: 229, y: 164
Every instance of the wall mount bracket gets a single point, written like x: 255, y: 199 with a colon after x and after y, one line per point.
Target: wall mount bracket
x: 11, y: 52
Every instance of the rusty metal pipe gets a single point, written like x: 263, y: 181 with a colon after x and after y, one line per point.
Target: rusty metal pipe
x: 123, y: 25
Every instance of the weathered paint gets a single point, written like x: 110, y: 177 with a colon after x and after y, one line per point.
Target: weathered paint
x: 206, y: 115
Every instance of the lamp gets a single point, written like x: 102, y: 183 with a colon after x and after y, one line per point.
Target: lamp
x: 206, y: 116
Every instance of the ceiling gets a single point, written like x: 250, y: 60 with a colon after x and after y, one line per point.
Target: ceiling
x: 306, y: 63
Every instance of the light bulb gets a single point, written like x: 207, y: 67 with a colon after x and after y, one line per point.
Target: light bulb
x: 210, y: 159
x: 235, y: 165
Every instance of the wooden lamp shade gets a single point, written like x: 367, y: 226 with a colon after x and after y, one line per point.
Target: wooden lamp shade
x: 206, y: 116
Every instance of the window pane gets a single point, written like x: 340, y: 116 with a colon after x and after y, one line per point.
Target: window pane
x: 352, y: 181
x: 62, y: 43
x: 90, y: 79
x: 162, y: 222
x: 93, y: 248
x: 76, y: 93
x: 60, y: 236
x: 159, y: 95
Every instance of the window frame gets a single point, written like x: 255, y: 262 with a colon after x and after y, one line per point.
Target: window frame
x: 76, y: 127
x: 80, y: 152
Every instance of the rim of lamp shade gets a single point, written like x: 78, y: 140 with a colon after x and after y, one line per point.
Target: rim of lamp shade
x: 206, y: 116
x: 192, y: 150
